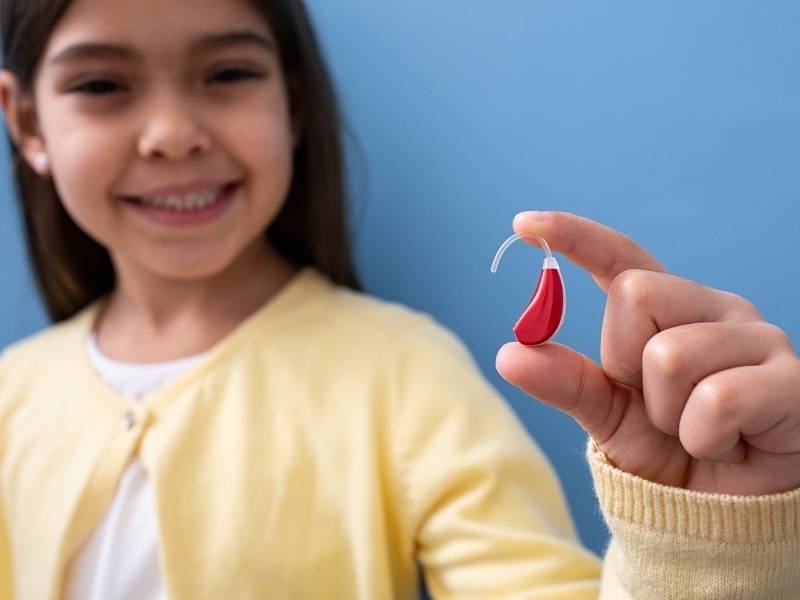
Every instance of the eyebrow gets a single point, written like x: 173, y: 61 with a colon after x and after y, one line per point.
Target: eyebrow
x: 206, y: 43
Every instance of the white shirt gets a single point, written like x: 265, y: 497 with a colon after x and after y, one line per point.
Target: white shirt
x: 121, y: 560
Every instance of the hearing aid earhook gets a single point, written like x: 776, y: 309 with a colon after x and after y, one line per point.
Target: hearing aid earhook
x: 513, y: 239
x: 544, y: 315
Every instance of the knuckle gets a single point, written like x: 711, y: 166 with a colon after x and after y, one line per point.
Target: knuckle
x: 716, y: 400
x: 694, y: 444
x: 796, y: 373
x: 631, y: 286
x: 739, y: 305
x: 775, y: 334
x: 580, y: 388
x: 793, y: 373
x: 665, y: 357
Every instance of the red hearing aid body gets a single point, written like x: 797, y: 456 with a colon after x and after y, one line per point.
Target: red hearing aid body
x: 544, y: 315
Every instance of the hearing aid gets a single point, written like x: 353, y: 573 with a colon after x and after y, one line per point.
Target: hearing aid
x: 544, y: 315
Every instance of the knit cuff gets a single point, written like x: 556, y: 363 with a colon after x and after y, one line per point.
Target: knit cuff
x: 674, y: 543
x: 699, y: 515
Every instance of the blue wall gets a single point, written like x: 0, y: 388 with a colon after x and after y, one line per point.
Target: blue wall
x: 677, y: 123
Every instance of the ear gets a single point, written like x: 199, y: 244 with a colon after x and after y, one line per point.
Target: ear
x: 20, y: 116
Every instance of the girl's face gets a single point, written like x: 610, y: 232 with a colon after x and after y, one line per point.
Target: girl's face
x: 191, y: 94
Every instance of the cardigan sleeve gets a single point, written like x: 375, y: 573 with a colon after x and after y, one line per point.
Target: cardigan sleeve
x: 674, y: 544
x: 6, y: 592
x: 6, y: 581
x: 486, y: 514
x: 488, y: 518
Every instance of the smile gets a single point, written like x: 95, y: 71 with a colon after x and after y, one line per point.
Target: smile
x: 194, y: 201
x: 184, y: 209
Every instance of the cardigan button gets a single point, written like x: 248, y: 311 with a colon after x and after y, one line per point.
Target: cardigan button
x: 127, y: 421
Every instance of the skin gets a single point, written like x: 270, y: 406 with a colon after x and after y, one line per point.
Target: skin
x: 172, y: 115
x: 694, y: 390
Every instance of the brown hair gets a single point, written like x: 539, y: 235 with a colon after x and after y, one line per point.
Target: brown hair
x: 72, y: 270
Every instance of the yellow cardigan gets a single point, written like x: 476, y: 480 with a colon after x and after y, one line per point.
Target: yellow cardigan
x: 327, y: 446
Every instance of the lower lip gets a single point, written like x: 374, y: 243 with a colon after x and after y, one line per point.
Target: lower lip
x: 183, y: 218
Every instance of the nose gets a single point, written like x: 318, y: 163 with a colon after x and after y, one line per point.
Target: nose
x: 172, y: 131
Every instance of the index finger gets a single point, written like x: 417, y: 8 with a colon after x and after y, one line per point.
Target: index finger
x: 604, y: 252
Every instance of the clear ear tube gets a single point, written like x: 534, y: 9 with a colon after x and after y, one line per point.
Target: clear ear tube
x: 513, y: 239
x: 545, y: 313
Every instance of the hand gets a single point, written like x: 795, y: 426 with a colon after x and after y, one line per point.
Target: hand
x: 695, y: 390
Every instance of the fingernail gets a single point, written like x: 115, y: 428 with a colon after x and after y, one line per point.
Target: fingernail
x: 531, y: 215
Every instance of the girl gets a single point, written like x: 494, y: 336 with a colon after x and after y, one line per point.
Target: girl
x: 219, y: 412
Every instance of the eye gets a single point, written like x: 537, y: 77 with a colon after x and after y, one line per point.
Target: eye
x: 97, y: 87
x: 235, y: 74
x: 104, y: 87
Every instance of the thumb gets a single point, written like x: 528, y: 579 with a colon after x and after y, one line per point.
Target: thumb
x: 566, y: 380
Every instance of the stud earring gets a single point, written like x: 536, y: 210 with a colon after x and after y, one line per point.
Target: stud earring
x: 41, y: 163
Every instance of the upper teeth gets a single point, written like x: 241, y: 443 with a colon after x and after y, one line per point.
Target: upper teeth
x: 191, y: 201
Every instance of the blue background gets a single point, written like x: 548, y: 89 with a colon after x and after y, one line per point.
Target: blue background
x: 677, y: 123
